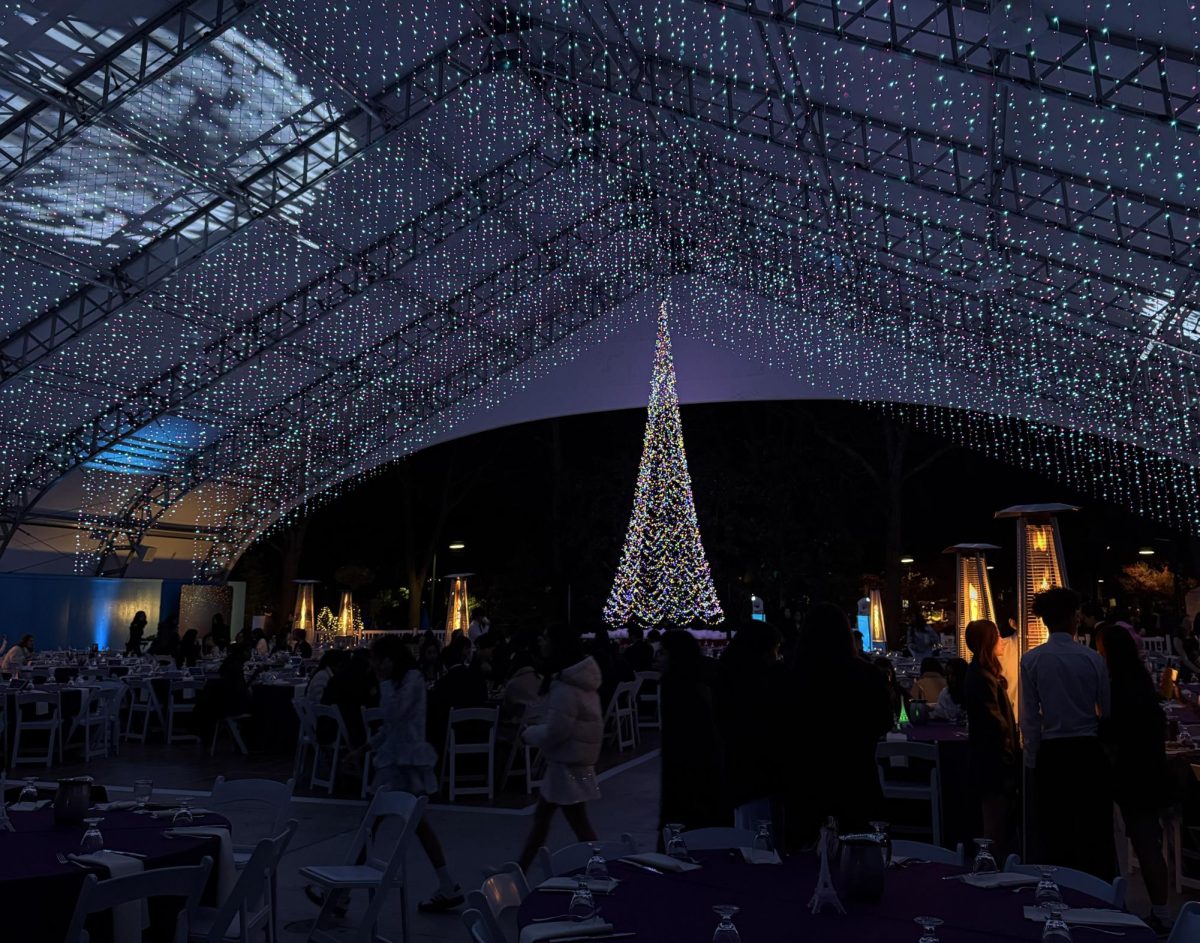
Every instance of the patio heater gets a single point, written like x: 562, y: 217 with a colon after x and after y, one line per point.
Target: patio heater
x: 974, y: 591
x: 878, y: 637
x: 304, y: 615
x: 1040, y: 563
x: 458, y: 618
x: 346, y: 620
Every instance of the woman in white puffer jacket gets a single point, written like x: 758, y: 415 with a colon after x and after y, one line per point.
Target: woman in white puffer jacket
x: 569, y: 736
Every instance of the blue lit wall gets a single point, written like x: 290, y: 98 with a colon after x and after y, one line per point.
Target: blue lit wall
x: 80, y: 611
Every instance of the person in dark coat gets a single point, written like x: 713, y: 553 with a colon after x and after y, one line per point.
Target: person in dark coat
x: 842, y: 709
x: 639, y: 654
x: 137, y: 628
x: 692, y: 792
x: 1135, y: 734
x: 993, y: 751
x: 188, y: 652
x: 749, y: 703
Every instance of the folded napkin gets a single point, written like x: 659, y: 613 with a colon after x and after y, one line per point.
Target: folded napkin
x: 170, y: 813
x: 129, y: 920
x: 564, y: 930
x: 1000, y: 879
x: 226, y: 869
x: 758, y: 856
x: 120, y: 805
x: 1088, y: 916
x: 663, y: 862
x: 570, y: 883
x: 28, y: 806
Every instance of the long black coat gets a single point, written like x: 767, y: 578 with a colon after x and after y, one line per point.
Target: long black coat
x: 993, y: 753
x: 692, y: 791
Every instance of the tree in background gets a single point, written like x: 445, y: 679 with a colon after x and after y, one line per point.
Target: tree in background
x: 663, y: 576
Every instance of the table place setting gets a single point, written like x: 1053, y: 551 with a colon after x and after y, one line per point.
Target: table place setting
x: 1086, y: 916
x: 655, y: 861
x: 568, y: 885
x: 564, y: 931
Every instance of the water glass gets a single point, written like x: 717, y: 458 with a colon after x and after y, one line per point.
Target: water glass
x: 726, y: 931
x: 29, y: 791
x: 928, y: 927
x: 143, y: 791
x: 1048, y: 896
x: 583, y: 905
x: 92, y: 840
x: 676, y: 846
x: 1056, y: 929
x: 985, y: 862
x: 183, y: 816
x: 762, y: 836
x: 597, y: 867
x: 881, y: 829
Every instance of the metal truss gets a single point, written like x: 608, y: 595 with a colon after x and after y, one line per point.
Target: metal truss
x: 64, y: 106
x: 1103, y: 68
x: 274, y: 175
x: 252, y: 338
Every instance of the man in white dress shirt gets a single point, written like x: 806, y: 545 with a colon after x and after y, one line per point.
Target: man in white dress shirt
x: 1064, y: 694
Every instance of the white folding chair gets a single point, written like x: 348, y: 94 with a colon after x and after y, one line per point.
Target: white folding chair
x: 1155, y: 645
x: 381, y: 872
x: 37, y: 714
x: 98, y: 896
x: 1187, y: 924
x: 372, y: 718
x: 1111, y: 892
x: 250, y: 906
x: 181, y: 702
x: 573, y: 857
x: 478, y: 930
x: 499, y: 898
x: 649, y: 701
x: 93, y: 719
x: 921, y: 851
x: 707, y: 839
x: 898, y: 754
x: 229, y: 724
x: 143, y: 703
x: 341, y: 742
x: 620, y: 720
x: 474, y: 718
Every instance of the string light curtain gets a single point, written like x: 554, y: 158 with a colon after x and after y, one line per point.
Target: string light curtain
x: 663, y: 577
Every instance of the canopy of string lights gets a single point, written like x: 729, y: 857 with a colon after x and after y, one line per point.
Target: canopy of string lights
x: 254, y: 250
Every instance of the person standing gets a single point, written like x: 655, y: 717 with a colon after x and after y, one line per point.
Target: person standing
x: 137, y: 628
x: 1064, y: 694
x: 569, y: 737
x: 1136, y: 734
x: 993, y: 753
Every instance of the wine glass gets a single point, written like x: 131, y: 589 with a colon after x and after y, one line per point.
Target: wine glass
x: 1056, y: 929
x: 1048, y: 896
x: 726, y: 932
x: 92, y: 840
x: 583, y: 904
x: 676, y: 846
x: 985, y: 862
x: 762, y: 836
x: 29, y: 791
x: 928, y: 927
x: 183, y: 815
x: 596, y: 868
x: 143, y: 790
x: 881, y: 829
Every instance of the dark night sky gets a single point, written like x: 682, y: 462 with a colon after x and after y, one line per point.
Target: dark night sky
x: 783, y: 512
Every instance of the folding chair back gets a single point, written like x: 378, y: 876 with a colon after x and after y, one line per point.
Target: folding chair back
x: 98, y: 896
x: 263, y: 804
x: 499, y: 898
x: 1112, y: 892
x: 250, y: 897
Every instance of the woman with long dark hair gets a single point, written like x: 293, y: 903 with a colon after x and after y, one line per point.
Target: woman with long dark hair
x: 993, y: 750
x: 843, y: 710
x: 1135, y: 733
x: 137, y: 628
x: 569, y: 737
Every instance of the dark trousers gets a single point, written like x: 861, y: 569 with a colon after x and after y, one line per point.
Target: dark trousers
x: 1075, y: 806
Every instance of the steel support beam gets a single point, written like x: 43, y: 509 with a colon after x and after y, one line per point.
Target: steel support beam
x: 318, y: 148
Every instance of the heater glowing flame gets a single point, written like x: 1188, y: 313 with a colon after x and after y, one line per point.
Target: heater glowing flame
x: 974, y: 611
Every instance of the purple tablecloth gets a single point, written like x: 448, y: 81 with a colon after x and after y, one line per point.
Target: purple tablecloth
x: 37, y: 894
x: 677, y: 908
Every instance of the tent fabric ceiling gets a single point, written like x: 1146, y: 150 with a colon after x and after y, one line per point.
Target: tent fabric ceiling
x: 319, y: 236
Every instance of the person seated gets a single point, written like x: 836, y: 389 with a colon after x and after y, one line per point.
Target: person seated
x: 350, y: 690
x: 522, y: 689
x: 228, y: 695
x: 429, y: 661
x: 932, y: 682
x: 950, y: 703
x: 167, y: 641
x: 896, y: 693
x: 331, y: 662
x: 300, y: 644
x: 460, y: 686
x: 188, y: 651
x: 19, y: 654
x: 613, y: 670
x: 639, y: 653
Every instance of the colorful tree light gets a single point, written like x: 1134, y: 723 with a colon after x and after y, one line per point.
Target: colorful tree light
x: 663, y: 577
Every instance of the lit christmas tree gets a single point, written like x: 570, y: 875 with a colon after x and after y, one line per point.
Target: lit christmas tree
x: 663, y: 576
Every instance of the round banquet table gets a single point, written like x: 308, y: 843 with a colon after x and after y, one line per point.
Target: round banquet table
x: 37, y: 894
x: 677, y: 908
